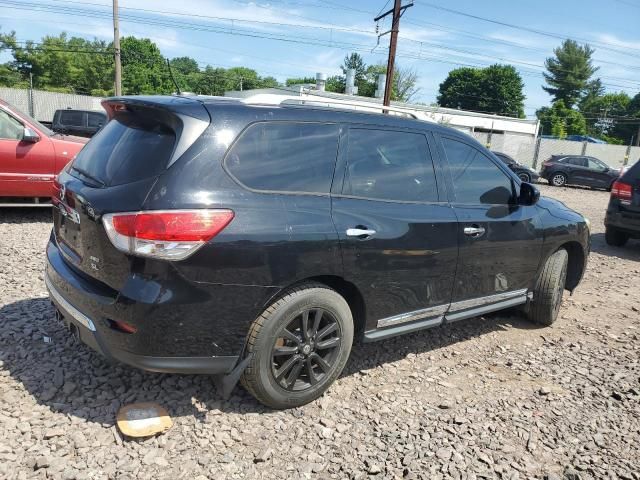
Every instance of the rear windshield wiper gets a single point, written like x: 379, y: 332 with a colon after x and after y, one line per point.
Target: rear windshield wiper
x: 84, y: 173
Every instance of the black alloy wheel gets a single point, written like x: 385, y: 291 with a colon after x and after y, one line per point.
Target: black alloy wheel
x: 306, y: 349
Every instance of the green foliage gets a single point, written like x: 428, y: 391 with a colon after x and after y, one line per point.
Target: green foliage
x: 569, y: 73
x: 612, y: 116
x: 76, y: 65
x: 335, y: 84
x: 495, y: 89
x: 558, y: 120
x: 59, y: 63
x: 355, y: 61
x: 299, y: 80
x: 144, y: 70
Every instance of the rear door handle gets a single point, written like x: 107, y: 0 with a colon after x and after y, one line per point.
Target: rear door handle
x: 360, y: 232
x: 474, y: 231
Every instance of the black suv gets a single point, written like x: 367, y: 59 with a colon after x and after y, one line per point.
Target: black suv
x: 623, y: 214
x: 524, y: 173
x: 204, y: 235
x: 83, y: 123
x: 561, y: 170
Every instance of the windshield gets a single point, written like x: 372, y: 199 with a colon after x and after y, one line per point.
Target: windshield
x: 32, y: 120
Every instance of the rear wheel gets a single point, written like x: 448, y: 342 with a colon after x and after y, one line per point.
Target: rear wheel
x: 558, y: 180
x: 525, y: 177
x: 300, y: 344
x: 549, y: 289
x: 615, y: 238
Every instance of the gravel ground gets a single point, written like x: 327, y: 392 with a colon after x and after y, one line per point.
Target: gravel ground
x: 490, y: 397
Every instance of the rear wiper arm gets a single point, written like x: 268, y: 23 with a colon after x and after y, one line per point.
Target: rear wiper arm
x: 88, y: 175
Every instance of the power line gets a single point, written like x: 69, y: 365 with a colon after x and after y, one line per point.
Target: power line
x: 606, y: 46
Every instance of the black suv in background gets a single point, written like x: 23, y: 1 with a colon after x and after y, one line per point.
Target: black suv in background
x: 561, y: 170
x: 524, y: 173
x: 622, y: 221
x: 206, y: 235
x: 83, y: 123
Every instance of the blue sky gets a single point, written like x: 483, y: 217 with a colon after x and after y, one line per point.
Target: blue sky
x: 285, y: 38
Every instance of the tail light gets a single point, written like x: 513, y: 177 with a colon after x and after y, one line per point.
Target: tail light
x: 621, y: 190
x: 166, y: 234
x: 546, y: 164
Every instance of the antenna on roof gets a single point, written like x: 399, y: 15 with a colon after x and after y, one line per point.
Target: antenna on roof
x: 173, y: 78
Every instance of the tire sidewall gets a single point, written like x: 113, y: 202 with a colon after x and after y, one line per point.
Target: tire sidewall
x: 323, y: 298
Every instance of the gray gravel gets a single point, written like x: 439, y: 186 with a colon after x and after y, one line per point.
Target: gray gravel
x: 489, y: 397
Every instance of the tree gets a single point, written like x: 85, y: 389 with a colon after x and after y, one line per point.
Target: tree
x: 569, y: 72
x: 495, y: 89
x: 354, y: 61
x: 299, y: 80
x: 405, y: 82
x: 561, y: 121
x: 144, y: 70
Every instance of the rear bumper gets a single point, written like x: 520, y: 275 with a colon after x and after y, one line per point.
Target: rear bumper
x: 88, y: 334
x: 628, y: 223
x: 181, y: 327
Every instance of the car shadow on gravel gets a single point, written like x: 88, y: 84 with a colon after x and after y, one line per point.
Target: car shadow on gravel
x: 25, y: 215
x: 631, y: 251
x: 68, y: 377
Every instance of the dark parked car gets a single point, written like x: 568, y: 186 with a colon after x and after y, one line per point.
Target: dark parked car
x: 524, y: 173
x: 561, y: 170
x: 84, y: 123
x: 212, y: 236
x: 623, y: 213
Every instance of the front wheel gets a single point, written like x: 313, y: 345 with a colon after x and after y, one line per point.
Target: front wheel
x: 615, y: 238
x: 300, y: 344
x: 549, y: 289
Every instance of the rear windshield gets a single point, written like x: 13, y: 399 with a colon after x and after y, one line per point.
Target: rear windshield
x: 126, y: 150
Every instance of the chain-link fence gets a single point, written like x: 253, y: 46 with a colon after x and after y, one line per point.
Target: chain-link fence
x: 41, y: 105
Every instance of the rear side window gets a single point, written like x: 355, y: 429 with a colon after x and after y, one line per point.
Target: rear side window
x: 476, y: 179
x: 389, y: 165
x: 126, y: 150
x: 285, y: 156
x: 95, y: 120
x: 633, y: 174
x: 71, y: 117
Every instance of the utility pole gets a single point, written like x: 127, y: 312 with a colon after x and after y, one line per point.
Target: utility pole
x: 397, y: 11
x: 116, y: 50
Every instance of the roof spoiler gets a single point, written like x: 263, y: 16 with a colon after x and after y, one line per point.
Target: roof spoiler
x: 187, y: 117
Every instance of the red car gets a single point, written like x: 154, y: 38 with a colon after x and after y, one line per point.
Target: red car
x: 30, y: 157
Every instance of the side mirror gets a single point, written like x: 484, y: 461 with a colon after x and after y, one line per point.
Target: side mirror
x: 529, y: 195
x: 30, y: 136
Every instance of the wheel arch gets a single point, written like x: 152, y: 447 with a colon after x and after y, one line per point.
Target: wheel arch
x: 346, y: 289
x: 576, y: 264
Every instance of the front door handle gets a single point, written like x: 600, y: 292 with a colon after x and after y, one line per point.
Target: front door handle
x: 360, y: 232
x: 474, y: 231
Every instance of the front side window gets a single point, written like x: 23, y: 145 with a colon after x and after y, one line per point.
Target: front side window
x: 595, y: 164
x: 476, y: 179
x: 285, y: 156
x: 10, y: 128
x: 389, y: 165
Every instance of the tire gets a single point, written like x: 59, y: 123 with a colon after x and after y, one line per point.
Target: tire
x: 558, y: 180
x: 549, y: 289
x: 615, y: 238
x: 289, y: 368
x: 525, y: 177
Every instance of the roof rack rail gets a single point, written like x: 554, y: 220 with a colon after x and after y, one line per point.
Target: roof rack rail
x: 364, y: 108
